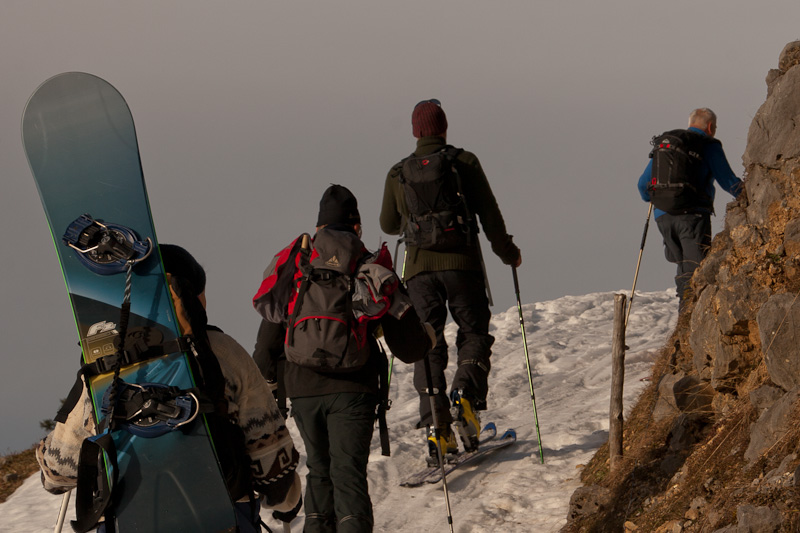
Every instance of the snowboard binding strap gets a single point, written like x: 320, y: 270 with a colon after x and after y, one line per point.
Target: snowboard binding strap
x: 136, y: 353
x: 105, y: 248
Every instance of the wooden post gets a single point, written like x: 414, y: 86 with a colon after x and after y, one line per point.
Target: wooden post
x: 617, y: 381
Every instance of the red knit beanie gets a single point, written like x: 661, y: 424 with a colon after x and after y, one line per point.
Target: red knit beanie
x: 428, y: 120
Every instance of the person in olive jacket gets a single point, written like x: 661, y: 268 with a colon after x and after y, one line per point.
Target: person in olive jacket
x: 437, y: 280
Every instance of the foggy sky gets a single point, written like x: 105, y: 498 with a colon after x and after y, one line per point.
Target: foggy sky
x: 246, y: 111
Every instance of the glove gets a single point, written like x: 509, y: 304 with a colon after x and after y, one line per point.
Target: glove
x: 288, y: 516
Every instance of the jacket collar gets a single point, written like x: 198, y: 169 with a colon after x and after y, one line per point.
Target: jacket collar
x: 428, y: 145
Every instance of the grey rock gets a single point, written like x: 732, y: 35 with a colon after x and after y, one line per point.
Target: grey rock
x: 753, y: 519
x: 685, y: 433
x: 790, y: 56
x: 736, y: 312
x: 771, y: 425
x: 586, y: 501
x: 693, y: 397
x: 765, y: 397
x: 704, y: 333
x: 666, y: 405
x: 773, y: 134
x: 791, y: 238
x: 778, y: 322
x: 726, y: 366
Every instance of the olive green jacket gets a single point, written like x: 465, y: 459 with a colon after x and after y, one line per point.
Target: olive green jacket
x: 480, y: 202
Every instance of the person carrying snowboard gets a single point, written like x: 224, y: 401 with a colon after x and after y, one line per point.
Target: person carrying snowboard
x: 679, y: 181
x: 322, y: 301
x: 432, y: 198
x: 254, y: 446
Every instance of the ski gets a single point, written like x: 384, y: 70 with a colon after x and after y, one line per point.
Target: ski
x: 434, y: 474
x: 488, y: 433
x: 507, y: 439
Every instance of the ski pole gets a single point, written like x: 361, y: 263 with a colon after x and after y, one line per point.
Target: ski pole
x: 436, y: 435
x: 527, y: 361
x: 638, y: 263
x: 391, y: 366
x: 62, y: 512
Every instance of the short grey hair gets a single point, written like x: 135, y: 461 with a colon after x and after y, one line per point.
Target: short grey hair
x: 702, y: 117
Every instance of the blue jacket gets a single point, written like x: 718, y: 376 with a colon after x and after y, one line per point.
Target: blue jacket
x: 718, y: 170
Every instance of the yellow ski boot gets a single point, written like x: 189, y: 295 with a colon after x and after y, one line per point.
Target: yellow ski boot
x: 445, y: 444
x: 466, y: 420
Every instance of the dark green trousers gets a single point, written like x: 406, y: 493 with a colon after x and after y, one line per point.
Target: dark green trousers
x: 337, y: 431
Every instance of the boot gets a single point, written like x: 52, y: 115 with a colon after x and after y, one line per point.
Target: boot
x: 466, y: 420
x: 446, y: 443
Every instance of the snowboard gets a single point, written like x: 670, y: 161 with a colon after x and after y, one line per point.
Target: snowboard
x: 80, y: 141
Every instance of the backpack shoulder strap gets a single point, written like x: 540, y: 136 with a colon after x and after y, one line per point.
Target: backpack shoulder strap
x: 397, y: 169
x: 452, y: 151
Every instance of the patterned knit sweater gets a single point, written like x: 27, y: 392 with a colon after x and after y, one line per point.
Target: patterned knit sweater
x: 251, y: 406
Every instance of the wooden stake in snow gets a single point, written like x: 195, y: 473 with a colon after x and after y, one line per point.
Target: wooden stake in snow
x: 617, y: 381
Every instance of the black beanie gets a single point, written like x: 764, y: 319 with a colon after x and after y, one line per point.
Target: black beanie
x: 181, y: 264
x: 338, y: 206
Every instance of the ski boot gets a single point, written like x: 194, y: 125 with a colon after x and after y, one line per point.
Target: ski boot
x: 466, y: 420
x: 446, y: 443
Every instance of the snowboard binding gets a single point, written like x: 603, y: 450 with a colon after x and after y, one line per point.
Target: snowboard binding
x: 150, y: 410
x: 105, y: 248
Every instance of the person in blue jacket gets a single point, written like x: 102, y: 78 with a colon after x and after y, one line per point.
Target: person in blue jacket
x: 687, y: 234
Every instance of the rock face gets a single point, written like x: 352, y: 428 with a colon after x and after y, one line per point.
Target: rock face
x: 741, y: 342
x: 773, y: 135
x: 747, y: 309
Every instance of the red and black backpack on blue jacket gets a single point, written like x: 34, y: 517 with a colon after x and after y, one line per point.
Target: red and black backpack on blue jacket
x: 678, y: 177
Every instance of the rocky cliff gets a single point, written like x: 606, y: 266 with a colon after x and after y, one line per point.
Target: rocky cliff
x: 713, y: 445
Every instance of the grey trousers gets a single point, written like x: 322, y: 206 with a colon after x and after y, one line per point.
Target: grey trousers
x: 687, y: 239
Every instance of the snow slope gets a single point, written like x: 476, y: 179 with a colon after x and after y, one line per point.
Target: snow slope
x: 569, y: 345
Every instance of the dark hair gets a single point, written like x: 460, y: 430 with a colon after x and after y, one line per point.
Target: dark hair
x: 181, y: 264
x: 188, y: 282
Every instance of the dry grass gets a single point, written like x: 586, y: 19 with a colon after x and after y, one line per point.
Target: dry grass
x: 14, y: 469
x: 712, y: 476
